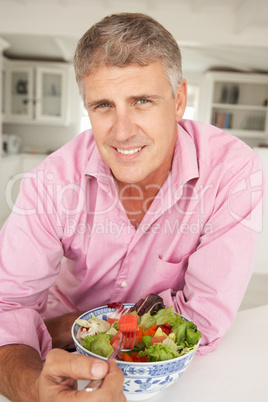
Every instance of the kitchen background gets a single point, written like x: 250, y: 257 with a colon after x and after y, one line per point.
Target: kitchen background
x: 225, y: 61
x: 40, y: 101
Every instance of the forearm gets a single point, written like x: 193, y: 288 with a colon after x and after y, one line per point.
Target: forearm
x: 20, y: 369
x: 60, y: 329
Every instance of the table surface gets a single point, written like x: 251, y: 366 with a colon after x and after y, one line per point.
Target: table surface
x: 235, y: 372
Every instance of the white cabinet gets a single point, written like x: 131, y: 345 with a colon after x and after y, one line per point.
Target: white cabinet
x: 238, y: 103
x: 12, y: 170
x: 36, y: 93
x: 9, y: 166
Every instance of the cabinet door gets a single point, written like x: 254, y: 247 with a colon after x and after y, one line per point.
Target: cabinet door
x: 3, y: 93
x: 19, y: 94
x: 50, y: 94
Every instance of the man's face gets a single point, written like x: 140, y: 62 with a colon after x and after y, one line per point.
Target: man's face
x: 133, y: 114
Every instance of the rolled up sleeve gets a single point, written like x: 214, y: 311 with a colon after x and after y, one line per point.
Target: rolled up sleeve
x: 30, y: 258
x: 25, y: 326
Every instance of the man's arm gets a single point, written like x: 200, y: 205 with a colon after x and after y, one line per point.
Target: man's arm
x: 20, y: 369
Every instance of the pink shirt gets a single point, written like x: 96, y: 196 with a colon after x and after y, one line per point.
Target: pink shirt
x: 195, y: 246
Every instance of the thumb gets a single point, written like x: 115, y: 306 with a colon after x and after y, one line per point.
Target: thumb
x: 60, y: 363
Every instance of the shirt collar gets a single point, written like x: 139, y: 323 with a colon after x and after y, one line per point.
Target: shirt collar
x: 96, y: 167
x: 184, y: 165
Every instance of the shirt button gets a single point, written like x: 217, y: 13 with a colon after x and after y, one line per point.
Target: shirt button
x: 123, y: 284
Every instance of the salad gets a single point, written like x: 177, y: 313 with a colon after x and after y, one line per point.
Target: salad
x: 161, y: 334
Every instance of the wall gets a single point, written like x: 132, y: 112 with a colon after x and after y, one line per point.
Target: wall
x: 262, y: 255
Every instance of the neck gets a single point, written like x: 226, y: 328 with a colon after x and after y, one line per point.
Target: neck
x: 137, y: 198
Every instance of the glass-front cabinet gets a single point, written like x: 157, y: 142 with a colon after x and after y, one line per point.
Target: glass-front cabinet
x: 50, y: 94
x: 20, y: 87
x: 35, y: 93
x: 3, y: 46
x: 3, y: 84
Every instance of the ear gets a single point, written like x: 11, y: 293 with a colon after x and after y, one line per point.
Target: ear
x: 181, y: 100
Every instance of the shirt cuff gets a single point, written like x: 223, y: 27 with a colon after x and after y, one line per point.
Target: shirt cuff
x: 207, y: 345
x: 25, y: 326
x: 205, y: 349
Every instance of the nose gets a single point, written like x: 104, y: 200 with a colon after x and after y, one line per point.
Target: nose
x: 124, y: 126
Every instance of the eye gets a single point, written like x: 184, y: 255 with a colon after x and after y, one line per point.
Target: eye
x: 143, y: 101
x: 102, y: 105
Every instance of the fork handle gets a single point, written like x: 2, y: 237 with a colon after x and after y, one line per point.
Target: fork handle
x: 119, y: 346
x: 93, y: 385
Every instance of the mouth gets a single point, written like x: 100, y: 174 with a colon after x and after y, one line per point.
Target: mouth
x: 129, y: 151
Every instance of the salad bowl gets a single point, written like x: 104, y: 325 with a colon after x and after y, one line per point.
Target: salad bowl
x: 142, y: 380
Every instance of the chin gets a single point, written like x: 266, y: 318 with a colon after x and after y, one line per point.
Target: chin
x: 129, y: 178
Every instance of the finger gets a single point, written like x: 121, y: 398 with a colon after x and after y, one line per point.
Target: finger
x: 115, y: 379
x: 60, y: 363
x: 110, y: 390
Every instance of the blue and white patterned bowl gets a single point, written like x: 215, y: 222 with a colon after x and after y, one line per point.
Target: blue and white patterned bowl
x: 142, y: 380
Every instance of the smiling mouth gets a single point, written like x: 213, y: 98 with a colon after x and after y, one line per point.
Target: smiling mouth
x: 129, y: 151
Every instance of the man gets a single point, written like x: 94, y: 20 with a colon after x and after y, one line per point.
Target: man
x: 144, y: 203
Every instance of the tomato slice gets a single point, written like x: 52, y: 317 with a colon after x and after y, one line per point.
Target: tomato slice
x: 111, y: 321
x: 114, y: 341
x: 157, y: 339
x: 137, y: 358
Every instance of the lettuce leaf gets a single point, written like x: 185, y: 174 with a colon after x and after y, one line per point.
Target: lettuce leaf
x: 169, y: 342
x: 147, y: 320
x: 167, y: 315
x: 159, y: 352
x: 181, y: 332
x: 147, y: 340
x: 187, y: 334
x: 192, y: 335
x: 99, y: 344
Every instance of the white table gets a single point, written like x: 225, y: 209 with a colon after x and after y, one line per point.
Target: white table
x: 235, y: 372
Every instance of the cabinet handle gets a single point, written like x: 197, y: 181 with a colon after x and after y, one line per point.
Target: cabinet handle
x: 27, y: 100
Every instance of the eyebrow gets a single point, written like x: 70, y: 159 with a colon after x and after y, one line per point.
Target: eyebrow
x: 145, y: 96
x: 98, y: 102
x: 130, y: 98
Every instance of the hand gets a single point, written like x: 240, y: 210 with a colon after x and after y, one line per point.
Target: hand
x: 58, y: 380
x: 60, y: 329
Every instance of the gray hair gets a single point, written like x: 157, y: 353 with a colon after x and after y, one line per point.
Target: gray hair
x: 125, y: 39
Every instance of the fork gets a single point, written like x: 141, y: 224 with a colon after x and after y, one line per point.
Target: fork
x: 126, y: 342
